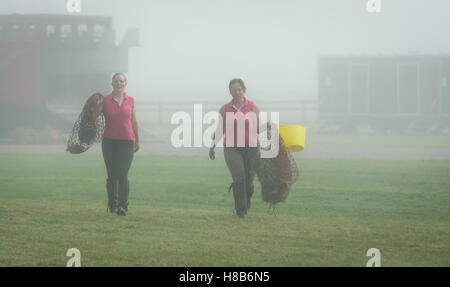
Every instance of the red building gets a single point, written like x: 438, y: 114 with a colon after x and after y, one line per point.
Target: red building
x: 43, y: 57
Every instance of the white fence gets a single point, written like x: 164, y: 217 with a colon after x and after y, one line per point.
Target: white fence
x: 290, y: 112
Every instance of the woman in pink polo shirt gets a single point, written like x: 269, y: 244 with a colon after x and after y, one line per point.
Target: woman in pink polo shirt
x: 241, y: 148
x: 120, y: 142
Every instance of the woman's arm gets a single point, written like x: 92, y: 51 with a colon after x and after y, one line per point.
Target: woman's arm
x: 258, y: 120
x: 135, y: 129
x: 217, y: 136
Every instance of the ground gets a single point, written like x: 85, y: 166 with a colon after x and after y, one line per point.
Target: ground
x: 181, y: 214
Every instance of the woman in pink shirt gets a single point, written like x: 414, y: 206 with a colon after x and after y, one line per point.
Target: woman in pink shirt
x: 120, y: 142
x: 241, y: 147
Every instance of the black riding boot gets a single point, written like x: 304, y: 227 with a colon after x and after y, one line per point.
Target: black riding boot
x: 124, y: 189
x: 251, y: 164
x: 111, y: 190
x: 240, y: 199
x: 249, y: 191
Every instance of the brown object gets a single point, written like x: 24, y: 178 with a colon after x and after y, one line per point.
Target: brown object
x: 89, y: 126
x: 91, y: 110
x: 277, y: 175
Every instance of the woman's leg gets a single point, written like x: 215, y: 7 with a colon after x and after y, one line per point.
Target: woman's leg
x: 108, y: 156
x: 251, y: 164
x: 124, y: 160
x: 108, y: 151
x: 235, y: 162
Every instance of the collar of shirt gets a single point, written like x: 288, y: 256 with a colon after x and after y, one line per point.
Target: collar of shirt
x: 121, y: 100
x: 234, y: 107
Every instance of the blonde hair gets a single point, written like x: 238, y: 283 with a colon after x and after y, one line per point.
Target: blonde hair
x: 120, y: 74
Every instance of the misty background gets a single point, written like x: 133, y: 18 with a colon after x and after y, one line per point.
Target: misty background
x: 189, y: 50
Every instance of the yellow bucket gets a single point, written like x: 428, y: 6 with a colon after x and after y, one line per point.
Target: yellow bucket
x: 293, y: 137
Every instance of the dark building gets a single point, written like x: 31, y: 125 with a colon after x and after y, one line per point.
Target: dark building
x: 44, y: 57
x: 396, y: 92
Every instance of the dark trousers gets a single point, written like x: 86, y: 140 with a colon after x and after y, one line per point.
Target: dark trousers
x: 242, y: 163
x: 118, y: 155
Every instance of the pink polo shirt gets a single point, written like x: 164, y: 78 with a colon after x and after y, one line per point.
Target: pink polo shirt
x: 118, y: 118
x: 233, y: 117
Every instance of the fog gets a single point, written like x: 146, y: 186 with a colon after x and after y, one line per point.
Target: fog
x: 329, y: 65
x: 370, y: 90
x: 189, y: 50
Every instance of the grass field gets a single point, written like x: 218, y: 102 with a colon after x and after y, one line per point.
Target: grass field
x: 360, y: 139
x: 181, y: 214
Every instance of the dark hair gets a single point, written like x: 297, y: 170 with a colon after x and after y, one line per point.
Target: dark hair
x: 119, y: 74
x: 237, y: 81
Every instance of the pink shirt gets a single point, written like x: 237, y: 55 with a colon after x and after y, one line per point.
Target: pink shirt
x: 118, y: 118
x: 231, y: 122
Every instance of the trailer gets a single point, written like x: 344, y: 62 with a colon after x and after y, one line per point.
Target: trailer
x: 391, y: 93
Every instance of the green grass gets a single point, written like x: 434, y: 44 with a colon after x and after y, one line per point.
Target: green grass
x: 361, y: 139
x: 181, y: 214
x: 379, y: 141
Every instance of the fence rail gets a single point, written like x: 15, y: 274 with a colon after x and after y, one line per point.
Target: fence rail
x: 289, y: 111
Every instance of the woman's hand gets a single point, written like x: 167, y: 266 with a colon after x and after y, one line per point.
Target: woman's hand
x: 212, y: 153
x: 136, y: 146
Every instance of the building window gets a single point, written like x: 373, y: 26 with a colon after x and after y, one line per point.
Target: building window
x: 30, y: 33
x: 408, y: 88
x: 66, y: 29
x: 359, y: 88
x: 99, y: 30
x: 51, y: 31
x: 82, y: 30
x: 13, y: 33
